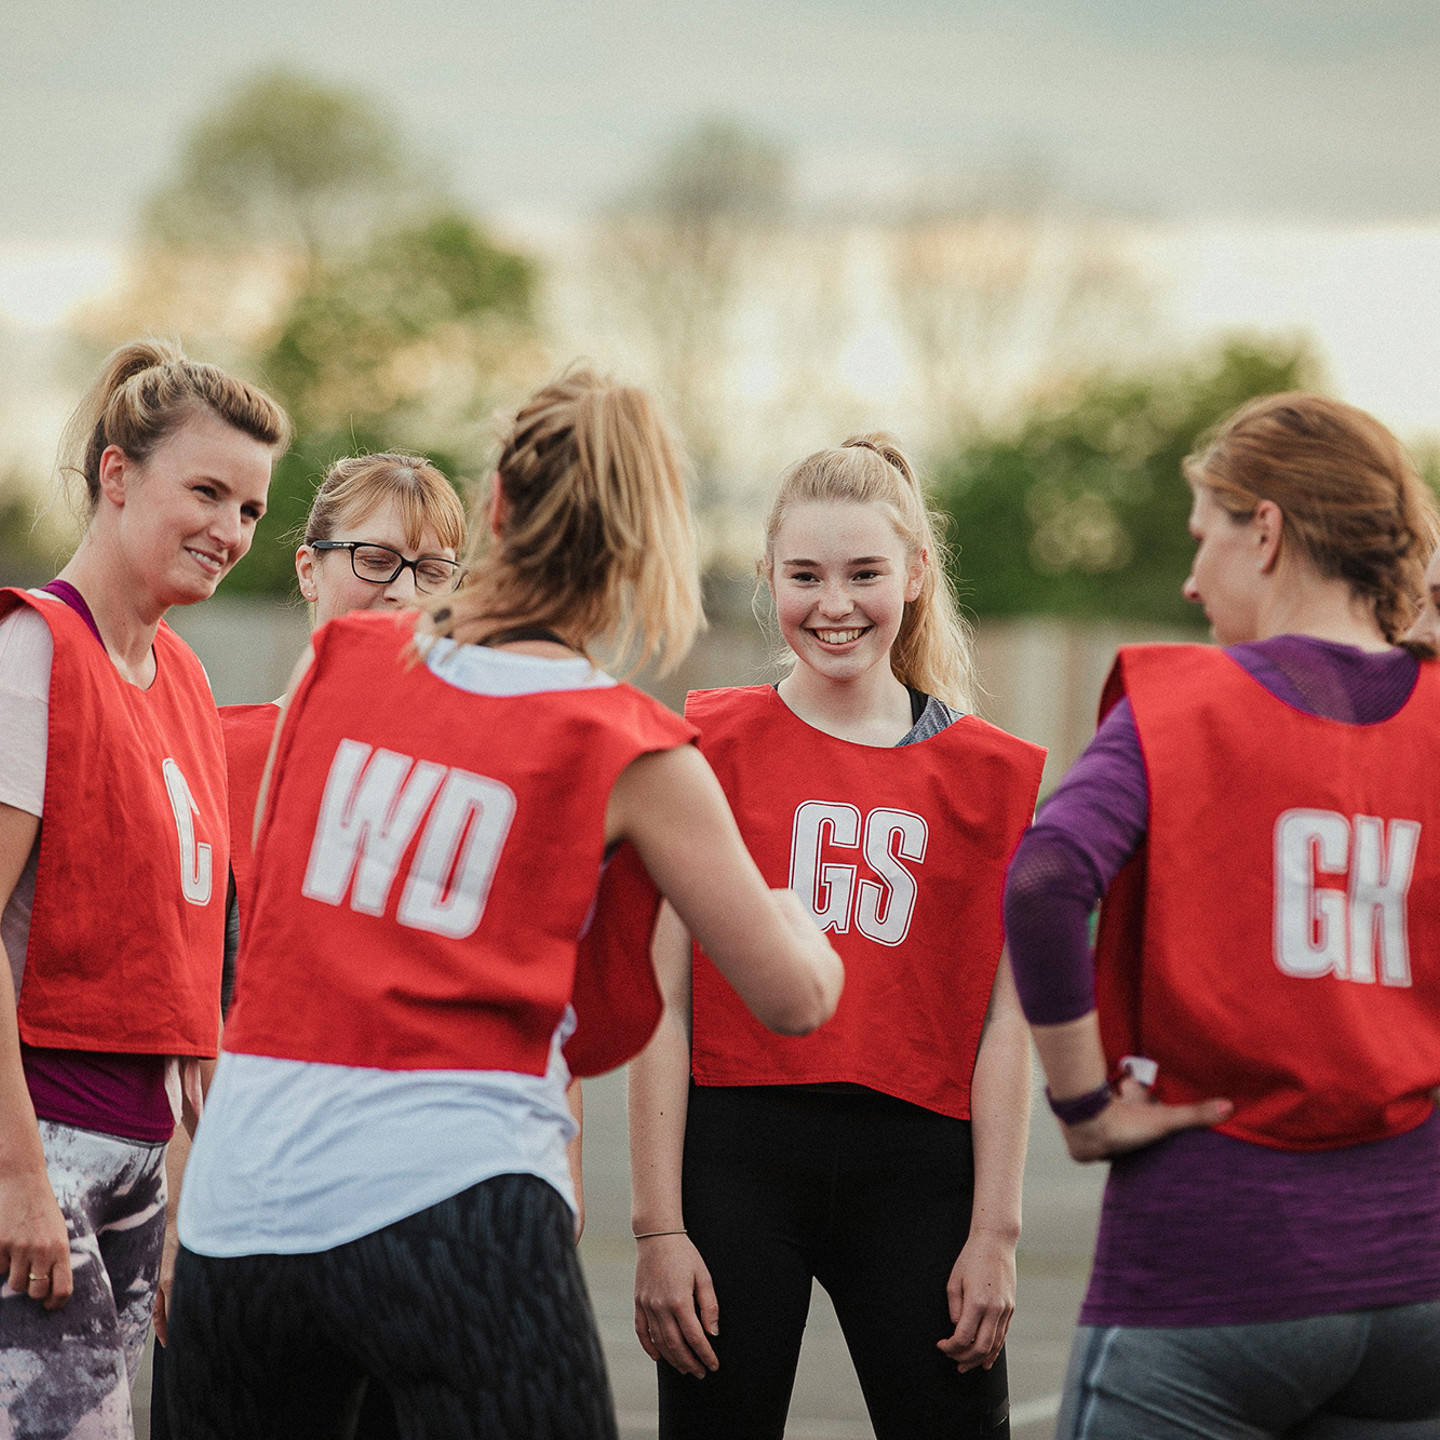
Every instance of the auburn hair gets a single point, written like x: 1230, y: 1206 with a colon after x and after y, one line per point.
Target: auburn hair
x: 1352, y: 501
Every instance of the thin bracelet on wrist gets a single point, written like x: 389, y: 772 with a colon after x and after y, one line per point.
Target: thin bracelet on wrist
x: 651, y: 1234
x: 1077, y: 1109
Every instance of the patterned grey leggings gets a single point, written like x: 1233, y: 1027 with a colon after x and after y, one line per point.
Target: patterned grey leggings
x: 68, y: 1372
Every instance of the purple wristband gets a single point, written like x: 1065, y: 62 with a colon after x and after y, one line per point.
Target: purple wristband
x: 1080, y: 1108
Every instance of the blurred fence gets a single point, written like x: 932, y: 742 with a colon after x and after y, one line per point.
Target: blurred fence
x: 1041, y: 677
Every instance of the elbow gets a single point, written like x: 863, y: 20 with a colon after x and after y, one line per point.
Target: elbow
x: 808, y: 1007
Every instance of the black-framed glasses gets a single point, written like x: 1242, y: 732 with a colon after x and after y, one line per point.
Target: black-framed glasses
x: 379, y: 564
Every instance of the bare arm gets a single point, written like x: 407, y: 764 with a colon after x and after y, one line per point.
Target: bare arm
x: 675, y: 1307
x: 669, y: 805
x: 34, y: 1239
x: 981, y: 1291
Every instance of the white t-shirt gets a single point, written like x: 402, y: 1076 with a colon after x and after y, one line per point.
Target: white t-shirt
x: 27, y: 652
x: 293, y: 1157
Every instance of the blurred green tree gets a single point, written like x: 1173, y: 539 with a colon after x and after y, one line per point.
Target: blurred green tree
x: 292, y: 161
x: 677, y: 252
x: 1080, y: 509
x: 300, y: 240
x: 409, y: 344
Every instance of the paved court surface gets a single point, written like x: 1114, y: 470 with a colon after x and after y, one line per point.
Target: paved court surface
x: 1061, y: 1205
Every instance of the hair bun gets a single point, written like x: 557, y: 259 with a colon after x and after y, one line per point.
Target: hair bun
x: 883, y: 444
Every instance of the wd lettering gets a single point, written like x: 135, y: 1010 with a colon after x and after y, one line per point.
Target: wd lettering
x: 880, y: 908
x: 195, y: 863
x: 1359, y: 932
x: 374, y: 803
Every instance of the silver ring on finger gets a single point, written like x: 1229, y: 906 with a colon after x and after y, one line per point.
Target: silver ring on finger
x: 39, y: 1279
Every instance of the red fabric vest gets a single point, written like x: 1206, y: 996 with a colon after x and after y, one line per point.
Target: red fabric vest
x: 1264, y: 945
x: 248, y: 731
x: 901, y: 855
x: 617, y: 1002
x: 128, y: 928
x: 428, y: 859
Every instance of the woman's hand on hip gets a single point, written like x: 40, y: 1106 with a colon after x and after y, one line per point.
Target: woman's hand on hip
x: 1134, y: 1119
x: 676, y: 1312
x: 981, y: 1293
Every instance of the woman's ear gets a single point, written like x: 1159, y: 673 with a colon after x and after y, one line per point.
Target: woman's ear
x: 1269, y: 523
x: 114, y: 474
x: 915, y: 578
x: 305, y: 572
x: 499, y: 509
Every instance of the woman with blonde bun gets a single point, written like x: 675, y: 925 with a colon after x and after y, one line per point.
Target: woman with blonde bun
x: 112, y: 871
x: 883, y: 1155
x: 384, y: 532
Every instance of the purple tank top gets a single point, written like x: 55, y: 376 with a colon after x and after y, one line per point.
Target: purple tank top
x: 120, y: 1095
x: 1202, y: 1228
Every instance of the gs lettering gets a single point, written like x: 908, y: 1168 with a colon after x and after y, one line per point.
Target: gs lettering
x: 881, y: 910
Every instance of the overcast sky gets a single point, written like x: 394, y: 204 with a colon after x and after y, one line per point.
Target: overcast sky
x: 1310, y: 110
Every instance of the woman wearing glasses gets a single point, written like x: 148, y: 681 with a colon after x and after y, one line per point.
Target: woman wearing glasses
x: 383, y: 533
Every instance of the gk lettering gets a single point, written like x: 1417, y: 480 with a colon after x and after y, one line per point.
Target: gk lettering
x: 1358, y: 933
x: 881, y: 910
x: 374, y: 802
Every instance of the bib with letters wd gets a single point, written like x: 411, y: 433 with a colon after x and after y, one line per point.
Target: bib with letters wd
x: 1277, y: 939
x: 900, y: 855
x: 428, y: 859
x: 248, y: 731
x: 127, y: 932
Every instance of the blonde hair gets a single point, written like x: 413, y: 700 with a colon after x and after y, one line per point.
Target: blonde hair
x: 596, y: 537
x: 147, y: 390
x: 934, y: 649
x: 1352, y: 500
x: 359, y: 484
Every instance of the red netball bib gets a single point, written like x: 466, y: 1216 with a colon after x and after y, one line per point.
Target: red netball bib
x: 1277, y: 941
x: 900, y: 855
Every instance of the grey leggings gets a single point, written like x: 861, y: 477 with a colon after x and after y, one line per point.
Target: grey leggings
x: 68, y: 1372
x: 1363, y: 1375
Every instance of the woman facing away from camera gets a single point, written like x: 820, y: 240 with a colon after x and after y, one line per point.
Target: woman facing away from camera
x: 112, y: 871
x: 1256, y: 1042
x: 883, y: 1155
x: 380, y: 1186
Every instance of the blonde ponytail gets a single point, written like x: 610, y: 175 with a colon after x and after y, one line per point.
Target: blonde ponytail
x: 596, y: 538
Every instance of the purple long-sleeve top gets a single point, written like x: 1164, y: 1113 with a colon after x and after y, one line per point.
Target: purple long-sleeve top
x: 1202, y: 1228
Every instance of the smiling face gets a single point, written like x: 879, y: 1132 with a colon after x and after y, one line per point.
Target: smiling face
x: 188, y: 512
x: 328, y: 579
x: 841, y: 578
x: 1226, y: 573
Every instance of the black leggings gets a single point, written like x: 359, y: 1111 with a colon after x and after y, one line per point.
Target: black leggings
x: 473, y: 1314
x: 865, y: 1193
